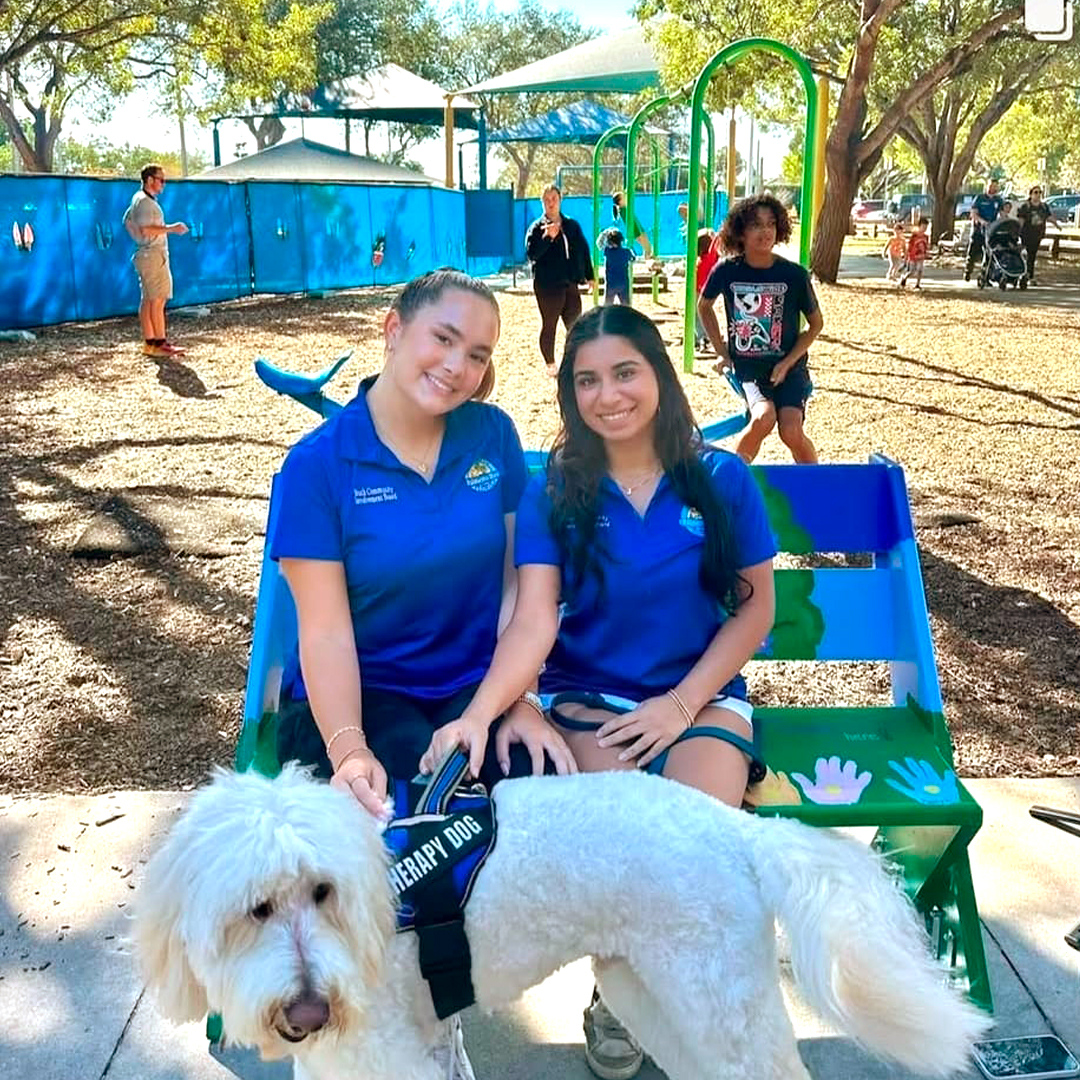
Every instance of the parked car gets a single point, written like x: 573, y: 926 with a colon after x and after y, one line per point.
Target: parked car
x: 1063, y: 207
x: 964, y: 203
x: 863, y: 208
x: 900, y: 209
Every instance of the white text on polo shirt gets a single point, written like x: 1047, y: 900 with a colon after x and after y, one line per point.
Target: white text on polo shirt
x: 427, y: 857
x: 364, y: 495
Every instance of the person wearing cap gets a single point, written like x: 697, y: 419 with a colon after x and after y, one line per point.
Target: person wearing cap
x: 145, y: 223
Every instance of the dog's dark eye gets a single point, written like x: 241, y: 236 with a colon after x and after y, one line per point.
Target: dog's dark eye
x: 262, y: 911
x: 322, y: 891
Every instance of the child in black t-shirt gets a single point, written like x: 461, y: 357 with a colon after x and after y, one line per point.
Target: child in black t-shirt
x: 764, y: 297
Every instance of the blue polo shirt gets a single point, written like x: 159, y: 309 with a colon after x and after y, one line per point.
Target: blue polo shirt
x: 651, y: 621
x: 423, y: 561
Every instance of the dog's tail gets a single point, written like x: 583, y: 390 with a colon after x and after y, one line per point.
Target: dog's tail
x: 858, y: 951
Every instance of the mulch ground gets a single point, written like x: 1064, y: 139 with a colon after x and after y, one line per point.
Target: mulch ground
x: 129, y: 671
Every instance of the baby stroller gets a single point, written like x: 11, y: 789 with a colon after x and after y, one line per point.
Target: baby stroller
x: 1003, y: 256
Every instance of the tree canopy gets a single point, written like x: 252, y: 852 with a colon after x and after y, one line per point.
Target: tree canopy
x: 887, y: 59
x: 483, y: 42
x: 52, y: 51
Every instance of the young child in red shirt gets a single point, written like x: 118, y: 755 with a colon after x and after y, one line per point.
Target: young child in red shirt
x: 917, y: 250
x: 708, y: 255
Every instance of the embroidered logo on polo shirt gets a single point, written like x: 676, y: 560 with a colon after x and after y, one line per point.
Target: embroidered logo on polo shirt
x: 482, y: 475
x: 692, y: 521
x: 366, y: 495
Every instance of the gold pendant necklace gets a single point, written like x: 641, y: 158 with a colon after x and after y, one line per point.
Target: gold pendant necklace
x: 420, y: 464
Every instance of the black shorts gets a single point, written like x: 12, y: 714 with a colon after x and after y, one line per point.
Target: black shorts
x: 398, y: 728
x: 792, y: 393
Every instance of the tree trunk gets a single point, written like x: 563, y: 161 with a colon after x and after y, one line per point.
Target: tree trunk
x: 942, y: 222
x: 834, y: 220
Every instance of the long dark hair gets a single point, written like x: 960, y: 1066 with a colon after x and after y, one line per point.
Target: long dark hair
x: 578, y: 461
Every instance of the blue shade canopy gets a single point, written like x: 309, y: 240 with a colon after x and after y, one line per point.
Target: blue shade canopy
x: 621, y: 62
x: 582, y: 122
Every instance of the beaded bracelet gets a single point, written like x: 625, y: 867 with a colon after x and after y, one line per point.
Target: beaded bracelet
x: 341, y: 731
x: 687, y: 715
x: 534, y: 703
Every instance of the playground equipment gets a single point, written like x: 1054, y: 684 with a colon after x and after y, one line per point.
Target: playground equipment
x: 728, y: 55
x: 885, y: 766
x: 562, y: 170
x: 632, y: 133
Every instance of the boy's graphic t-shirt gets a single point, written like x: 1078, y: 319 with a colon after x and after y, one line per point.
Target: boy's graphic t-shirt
x: 617, y: 262
x: 763, y: 306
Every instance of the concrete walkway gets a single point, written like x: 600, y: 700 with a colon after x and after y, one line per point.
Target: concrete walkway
x: 72, y: 1008
x: 946, y: 279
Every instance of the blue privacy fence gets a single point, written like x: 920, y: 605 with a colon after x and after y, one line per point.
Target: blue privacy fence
x: 580, y: 208
x: 257, y: 237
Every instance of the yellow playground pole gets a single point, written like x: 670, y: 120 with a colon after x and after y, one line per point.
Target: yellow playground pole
x: 821, y: 131
x: 448, y: 122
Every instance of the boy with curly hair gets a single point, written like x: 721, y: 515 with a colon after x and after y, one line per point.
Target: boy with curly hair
x: 765, y: 296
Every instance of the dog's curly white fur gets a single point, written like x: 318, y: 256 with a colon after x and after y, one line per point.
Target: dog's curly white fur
x: 270, y: 903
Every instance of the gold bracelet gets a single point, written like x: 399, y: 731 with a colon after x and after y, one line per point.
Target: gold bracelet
x: 534, y: 703
x: 341, y: 731
x: 365, y: 749
x: 687, y: 716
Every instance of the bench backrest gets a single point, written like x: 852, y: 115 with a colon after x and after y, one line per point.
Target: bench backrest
x: 834, y: 612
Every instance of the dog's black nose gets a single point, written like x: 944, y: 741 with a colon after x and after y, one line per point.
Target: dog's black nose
x: 308, y: 1013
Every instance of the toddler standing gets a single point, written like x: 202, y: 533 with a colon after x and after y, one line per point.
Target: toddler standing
x: 894, y: 251
x: 617, y: 262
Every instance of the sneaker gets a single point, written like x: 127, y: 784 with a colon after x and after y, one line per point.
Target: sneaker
x: 611, y: 1051
x: 171, y: 349
x: 156, y: 351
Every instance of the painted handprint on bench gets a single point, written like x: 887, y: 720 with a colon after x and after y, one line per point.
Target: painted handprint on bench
x: 833, y: 784
x: 922, y: 783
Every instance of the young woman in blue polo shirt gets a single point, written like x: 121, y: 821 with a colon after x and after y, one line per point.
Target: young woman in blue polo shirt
x: 660, y: 553
x: 394, y: 529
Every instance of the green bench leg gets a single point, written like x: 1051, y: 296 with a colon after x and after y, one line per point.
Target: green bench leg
x: 257, y: 748
x: 937, y: 877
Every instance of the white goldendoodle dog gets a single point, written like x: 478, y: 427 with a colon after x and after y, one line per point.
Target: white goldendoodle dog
x: 270, y: 903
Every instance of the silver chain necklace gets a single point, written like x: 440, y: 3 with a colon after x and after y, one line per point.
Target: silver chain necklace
x: 629, y: 489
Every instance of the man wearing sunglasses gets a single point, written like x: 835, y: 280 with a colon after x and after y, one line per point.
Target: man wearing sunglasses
x: 145, y: 223
x: 1034, y: 215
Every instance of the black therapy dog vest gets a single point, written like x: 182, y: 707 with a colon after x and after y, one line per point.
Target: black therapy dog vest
x: 437, y: 851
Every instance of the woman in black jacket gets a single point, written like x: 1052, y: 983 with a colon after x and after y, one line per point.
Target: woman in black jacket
x: 561, y: 261
x: 1034, y: 215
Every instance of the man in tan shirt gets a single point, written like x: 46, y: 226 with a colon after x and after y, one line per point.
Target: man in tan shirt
x: 145, y: 223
